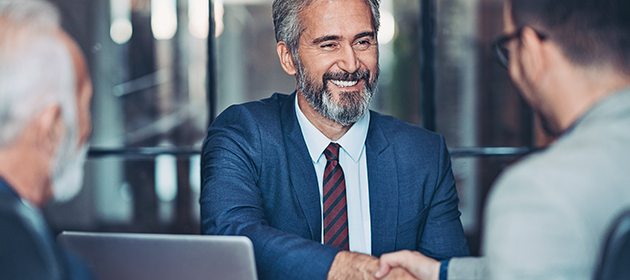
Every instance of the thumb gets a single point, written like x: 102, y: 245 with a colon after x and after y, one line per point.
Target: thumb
x: 383, y: 269
x: 387, y: 261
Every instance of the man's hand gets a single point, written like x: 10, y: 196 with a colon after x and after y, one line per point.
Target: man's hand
x: 419, y: 265
x: 351, y: 265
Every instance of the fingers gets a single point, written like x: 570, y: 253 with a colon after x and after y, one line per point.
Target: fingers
x: 352, y: 265
x: 383, y: 269
x: 396, y: 259
x: 419, y: 265
x: 398, y: 273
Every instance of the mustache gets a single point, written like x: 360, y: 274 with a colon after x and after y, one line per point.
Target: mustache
x: 361, y: 74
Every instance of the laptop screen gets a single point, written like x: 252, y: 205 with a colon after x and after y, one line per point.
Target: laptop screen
x: 163, y: 256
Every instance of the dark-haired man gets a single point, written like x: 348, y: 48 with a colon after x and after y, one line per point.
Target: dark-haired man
x: 317, y: 181
x: 547, y: 216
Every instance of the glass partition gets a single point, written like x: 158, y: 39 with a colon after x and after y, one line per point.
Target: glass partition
x: 162, y: 69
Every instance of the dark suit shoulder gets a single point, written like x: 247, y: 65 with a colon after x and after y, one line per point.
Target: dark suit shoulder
x: 21, y: 257
x: 28, y: 251
x: 259, y: 110
x: 398, y: 131
x: 244, y: 133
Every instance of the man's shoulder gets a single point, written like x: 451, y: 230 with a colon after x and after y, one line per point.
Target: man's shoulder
x: 569, y: 169
x: 271, y: 103
x: 35, y: 253
x: 573, y: 156
x: 397, y: 129
x: 540, y: 171
x: 261, y: 110
x: 20, y: 236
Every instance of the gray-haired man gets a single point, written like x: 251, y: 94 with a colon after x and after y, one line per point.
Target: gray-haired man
x: 45, y: 92
x: 320, y: 184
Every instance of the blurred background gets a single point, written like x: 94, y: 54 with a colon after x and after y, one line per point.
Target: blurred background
x: 163, y: 69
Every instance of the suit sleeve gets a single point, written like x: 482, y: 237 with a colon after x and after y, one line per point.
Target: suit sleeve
x: 232, y: 203
x: 532, y: 232
x: 443, y: 236
x: 467, y: 268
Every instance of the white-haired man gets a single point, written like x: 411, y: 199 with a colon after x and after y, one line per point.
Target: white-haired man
x: 45, y: 92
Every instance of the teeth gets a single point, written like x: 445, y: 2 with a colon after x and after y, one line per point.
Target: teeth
x: 344, y: 83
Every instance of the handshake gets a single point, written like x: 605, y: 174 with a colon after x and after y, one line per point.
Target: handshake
x: 398, y: 265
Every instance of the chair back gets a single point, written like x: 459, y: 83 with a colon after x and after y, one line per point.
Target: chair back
x: 614, y: 262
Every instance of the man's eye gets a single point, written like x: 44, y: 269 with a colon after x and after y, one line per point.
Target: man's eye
x: 328, y: 45
x: 363, y: 44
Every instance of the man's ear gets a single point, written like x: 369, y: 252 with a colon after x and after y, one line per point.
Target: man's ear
x: 534, y: 56
x: 50, y: 130
x: 286, y: 58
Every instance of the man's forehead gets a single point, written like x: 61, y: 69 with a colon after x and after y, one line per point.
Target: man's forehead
x: 317, y: 4
x: 314, y: 4
x: 332, y: 13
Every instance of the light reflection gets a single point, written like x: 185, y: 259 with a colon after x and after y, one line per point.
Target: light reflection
x: 388, y: 28
x: 163, y: 19
x: 121, y: 29
x: 166, y: 177
x: 198, y: 17
x: 218, y: 18
x: 195, y: 171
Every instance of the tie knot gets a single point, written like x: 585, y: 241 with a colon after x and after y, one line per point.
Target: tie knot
x: 332, y: 152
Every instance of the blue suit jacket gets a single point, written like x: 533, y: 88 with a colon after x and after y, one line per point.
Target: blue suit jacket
x: 259, y: 181
x: 27, y: 247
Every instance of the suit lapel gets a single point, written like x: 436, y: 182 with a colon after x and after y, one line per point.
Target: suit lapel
x: 383, y: 188
x: 301, y: 169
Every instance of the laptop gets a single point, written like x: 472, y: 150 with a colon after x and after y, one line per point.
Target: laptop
x: 137, y: 256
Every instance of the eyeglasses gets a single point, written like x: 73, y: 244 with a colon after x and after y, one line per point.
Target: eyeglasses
x: 499, y: 50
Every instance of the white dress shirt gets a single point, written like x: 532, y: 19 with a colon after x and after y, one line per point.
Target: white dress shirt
x: 353, y: 162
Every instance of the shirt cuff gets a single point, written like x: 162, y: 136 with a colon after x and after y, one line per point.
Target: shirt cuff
x: 444, y: 269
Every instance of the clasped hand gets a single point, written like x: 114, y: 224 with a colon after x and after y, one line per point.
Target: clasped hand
x: 398, y: 265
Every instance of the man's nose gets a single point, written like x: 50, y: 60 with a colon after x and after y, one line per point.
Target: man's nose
x: 348, y: 60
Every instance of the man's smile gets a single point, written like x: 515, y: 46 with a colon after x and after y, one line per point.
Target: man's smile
x: 344, y: 84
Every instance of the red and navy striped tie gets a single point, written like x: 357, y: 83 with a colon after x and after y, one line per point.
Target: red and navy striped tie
x: 335, y: 210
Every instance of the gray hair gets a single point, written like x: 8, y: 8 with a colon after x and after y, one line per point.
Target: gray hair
x: 36, y: 68
x: 289, y: 27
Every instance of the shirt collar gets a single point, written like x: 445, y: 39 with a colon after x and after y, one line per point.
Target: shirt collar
x: 352, y: 142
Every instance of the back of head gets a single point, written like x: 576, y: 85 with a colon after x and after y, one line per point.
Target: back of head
x: 591, y: 33
x: 36, y: 68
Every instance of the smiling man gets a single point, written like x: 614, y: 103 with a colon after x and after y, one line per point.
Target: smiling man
x: 319, y: 183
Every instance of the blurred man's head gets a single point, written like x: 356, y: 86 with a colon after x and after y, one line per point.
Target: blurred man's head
x: 590, y: 33
x: 332, y: 47
x: 70, y: 158
x: 551, y: 45
x: 45, y: 94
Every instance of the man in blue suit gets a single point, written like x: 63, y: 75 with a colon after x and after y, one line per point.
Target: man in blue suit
x: 319, y: 183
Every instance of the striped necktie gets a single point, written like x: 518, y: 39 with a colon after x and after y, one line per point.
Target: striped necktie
x: 335, y: 210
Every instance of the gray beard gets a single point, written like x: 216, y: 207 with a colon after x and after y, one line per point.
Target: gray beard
x: 67, y: 173
x: 352, y: 105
